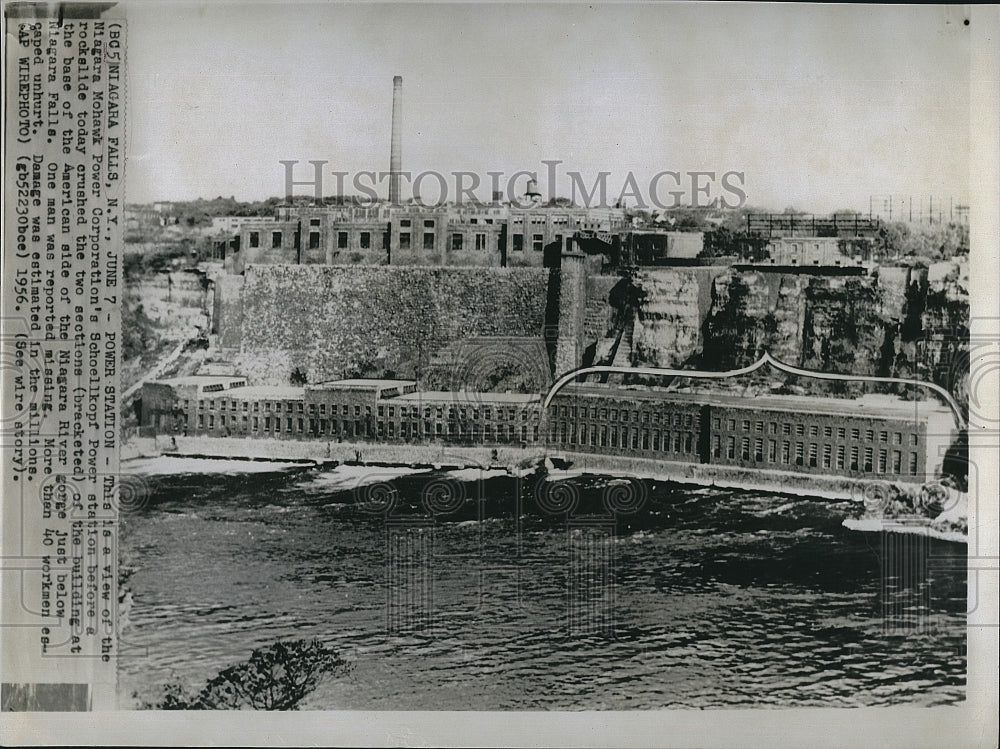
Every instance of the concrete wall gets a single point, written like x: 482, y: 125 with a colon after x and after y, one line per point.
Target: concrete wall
x: 572, y: 313
x: 333, y: 321
x: 685, y: 244
x: 228, y: 311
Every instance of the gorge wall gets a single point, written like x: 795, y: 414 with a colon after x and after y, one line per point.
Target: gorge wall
x: 339, y: 321
x: 671, y: 305
x: 336, y: 321
x: 885, y: 324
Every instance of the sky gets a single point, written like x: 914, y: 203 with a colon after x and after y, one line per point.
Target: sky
x: 817, y: 106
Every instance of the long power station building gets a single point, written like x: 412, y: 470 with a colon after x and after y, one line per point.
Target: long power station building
x: 870, y: 436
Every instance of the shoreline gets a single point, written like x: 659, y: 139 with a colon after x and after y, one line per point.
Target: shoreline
x: 517, y: 461
x: 900, y: 525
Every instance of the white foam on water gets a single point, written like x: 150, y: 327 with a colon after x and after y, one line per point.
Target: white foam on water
x: 351, y: 477
x: 570, y: 473
x: 873, y: 525
x: 164, y: 465
x: 475, y: 474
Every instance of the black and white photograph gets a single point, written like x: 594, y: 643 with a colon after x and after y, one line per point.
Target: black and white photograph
x: 521, y: 359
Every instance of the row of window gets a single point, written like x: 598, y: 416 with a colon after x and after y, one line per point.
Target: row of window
x: 813, y: 455
x: 364, y: 239
x: 231, y: 405
x: 536, y: 220
x: 594, y: 412
x: 335, y: 427
x: 430, y: 223
x: 405, y: 241
x: 489, y: 432
x: 440, y: 412
x: 453, y: 412
x: 814, y: 431
x: 278, y: 424
x: 537, y: 242
x: 458, y: 241
x: 612, y: 436
x: 459, y: 413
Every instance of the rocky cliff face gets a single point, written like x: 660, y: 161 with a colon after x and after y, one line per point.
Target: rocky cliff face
x: 833, y: 324
x: 891, y: 324
x: 330, y: 321
x: 671, y: 305
x: 941, y: 348
x: 741, y: 323
x: 843, y: 329
x: 789, y: 317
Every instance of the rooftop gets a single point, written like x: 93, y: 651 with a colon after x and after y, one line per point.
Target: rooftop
x: 468, y: 397
x: 201, y: 381
x: 276, y: 392
x: 874, y: 404
x: 360, y: 383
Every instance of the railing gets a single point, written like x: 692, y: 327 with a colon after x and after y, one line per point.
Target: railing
x: 805, y: 224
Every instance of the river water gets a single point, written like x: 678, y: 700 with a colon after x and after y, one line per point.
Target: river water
x: 684, y: 597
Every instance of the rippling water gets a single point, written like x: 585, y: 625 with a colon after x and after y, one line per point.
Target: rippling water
x: 721, y: 598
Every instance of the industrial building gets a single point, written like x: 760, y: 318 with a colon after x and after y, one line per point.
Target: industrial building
x: 496, y: 234
x: 806, y: 240
x: 869, y: 436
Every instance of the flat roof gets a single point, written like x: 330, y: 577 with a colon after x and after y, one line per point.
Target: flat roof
x: 875, y: 404
x: 359, y: 383
x: 199, y: 380
x: 278, y: 392
x: 467, y: 397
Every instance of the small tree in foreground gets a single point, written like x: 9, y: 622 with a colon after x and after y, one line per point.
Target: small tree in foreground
x: 277, y: 677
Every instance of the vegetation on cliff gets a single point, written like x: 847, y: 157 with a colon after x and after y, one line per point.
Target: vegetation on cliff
x: 735, y: 336
x: 932, y: 242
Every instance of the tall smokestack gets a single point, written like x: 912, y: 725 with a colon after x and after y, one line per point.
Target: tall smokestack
x: 396, y: 150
